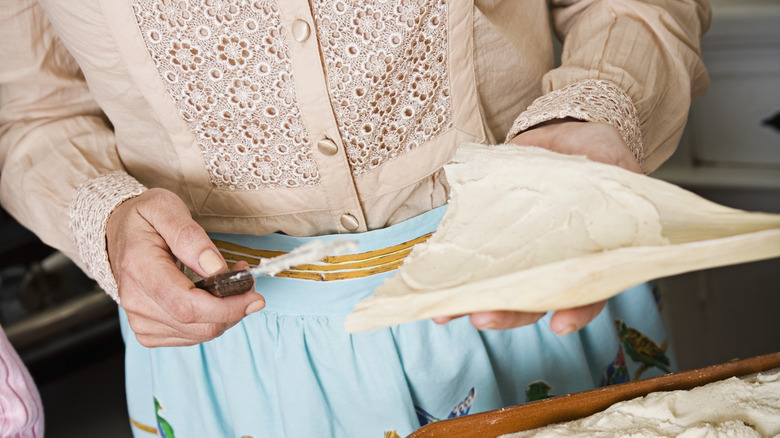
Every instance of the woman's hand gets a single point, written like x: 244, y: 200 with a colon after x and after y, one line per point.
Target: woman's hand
x: 599, y: 142
x: 163, y: 307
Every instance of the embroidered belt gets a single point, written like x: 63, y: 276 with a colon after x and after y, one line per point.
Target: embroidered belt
x: 331, y: 268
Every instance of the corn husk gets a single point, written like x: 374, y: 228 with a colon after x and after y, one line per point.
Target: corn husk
x: 698, y: 233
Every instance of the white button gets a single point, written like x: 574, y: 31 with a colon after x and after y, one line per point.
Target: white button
x: 349, y: 222
x: 300, y: 30
x: 327, y: 146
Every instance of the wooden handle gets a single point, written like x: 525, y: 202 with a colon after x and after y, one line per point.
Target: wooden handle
x: 582, y: 404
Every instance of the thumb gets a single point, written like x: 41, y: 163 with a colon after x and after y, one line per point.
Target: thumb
x: 187, y: 240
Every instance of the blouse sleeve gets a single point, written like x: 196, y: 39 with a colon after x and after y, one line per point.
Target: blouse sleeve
x: 61, y: 173
x: 634, y: 64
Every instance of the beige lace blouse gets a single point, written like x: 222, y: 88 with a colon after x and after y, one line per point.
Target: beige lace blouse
x: 310, y: 116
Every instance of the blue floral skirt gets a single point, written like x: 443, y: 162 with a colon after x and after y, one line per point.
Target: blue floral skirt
x: 292, y: 370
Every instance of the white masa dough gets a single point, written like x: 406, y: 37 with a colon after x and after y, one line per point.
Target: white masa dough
x: 516, y: 217
x: 731, y: 408
x: 532, y: 230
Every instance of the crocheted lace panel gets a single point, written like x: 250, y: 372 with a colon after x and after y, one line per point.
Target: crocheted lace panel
x: 227, y: 65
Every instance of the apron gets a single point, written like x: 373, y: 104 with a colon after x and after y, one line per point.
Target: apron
x: 291, y: 370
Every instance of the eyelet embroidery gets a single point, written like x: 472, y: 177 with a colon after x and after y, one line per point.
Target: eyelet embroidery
x: 227, y: 66
x: 387, y: 71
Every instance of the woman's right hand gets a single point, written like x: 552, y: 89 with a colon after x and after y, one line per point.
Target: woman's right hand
x: 145, y: 235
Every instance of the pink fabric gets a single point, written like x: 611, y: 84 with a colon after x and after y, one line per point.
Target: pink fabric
x: 21, y: 412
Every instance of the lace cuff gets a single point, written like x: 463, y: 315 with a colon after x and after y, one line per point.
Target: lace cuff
x: 89, y: 211
x: 590, y: 100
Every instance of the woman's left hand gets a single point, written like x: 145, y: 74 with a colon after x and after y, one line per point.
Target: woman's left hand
x: 599, y: 142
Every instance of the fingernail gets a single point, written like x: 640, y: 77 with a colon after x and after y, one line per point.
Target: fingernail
x: 440, y: 319
x: 255, y: 306
x: 571, y: 328
x: 210, y: 262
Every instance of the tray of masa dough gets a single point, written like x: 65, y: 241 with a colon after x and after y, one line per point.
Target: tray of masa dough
x: 737, y: 399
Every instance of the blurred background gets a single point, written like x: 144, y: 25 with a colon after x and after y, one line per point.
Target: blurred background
x: 66, y: 329
x: 730, y: 154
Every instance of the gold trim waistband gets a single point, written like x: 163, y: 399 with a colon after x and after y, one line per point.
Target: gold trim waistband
x: 331, y: 268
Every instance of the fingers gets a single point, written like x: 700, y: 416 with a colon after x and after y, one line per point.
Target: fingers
x: 160, y: 332
x: 166, y: 288
x: 503, y: 319
x: 495, y: 320
x: 563, y: 322
x: 444, y: 319
x: 197, y: 317
x: 163, y: 306
x: 566, y: 321
x: 187, y: 240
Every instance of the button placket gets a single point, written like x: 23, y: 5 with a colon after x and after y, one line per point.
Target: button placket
x: 330, y: 148
x: 337, y: 185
